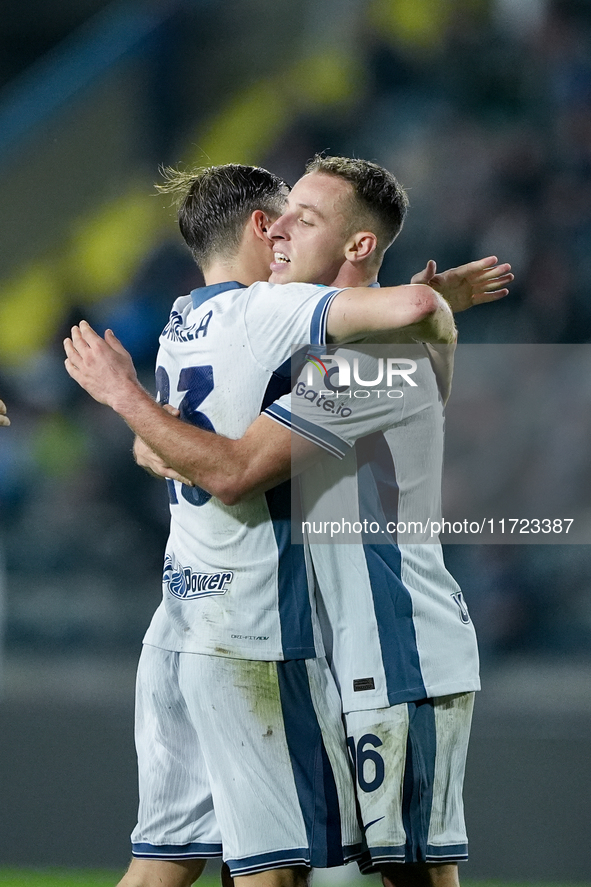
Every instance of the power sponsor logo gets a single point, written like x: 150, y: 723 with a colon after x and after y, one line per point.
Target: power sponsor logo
x: 186, y: 584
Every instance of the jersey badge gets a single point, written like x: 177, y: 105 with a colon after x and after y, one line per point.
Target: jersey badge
x: 361, y: 684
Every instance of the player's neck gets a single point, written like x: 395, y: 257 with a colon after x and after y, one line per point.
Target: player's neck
x: 247, y: 265
x: 353, y: 275
x: 222, y: 272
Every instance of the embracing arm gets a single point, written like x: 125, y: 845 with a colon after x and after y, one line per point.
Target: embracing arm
x: 228, y: 469
x: 420, y: 308
x: 235, y: 470
x: 417, y: 308
x: 413, y: 313
x: 266, y: 455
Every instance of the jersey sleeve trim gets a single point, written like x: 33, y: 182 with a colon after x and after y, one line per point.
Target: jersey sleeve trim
x: 330, y: 442
x: 318, y: 323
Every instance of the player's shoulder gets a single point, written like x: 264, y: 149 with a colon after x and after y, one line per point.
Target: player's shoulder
x: 264, y: 290
x: 176, y: 319
x: 181, y: 303
x: 202, y: 302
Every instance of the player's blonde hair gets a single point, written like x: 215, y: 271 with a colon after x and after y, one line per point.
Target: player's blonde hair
x: 379, y: 202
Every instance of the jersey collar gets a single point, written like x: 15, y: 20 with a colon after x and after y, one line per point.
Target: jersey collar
x: 203, y: 293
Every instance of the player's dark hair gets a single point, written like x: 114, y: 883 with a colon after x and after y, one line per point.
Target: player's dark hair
x: 379, y: 200
x: 215, y: 203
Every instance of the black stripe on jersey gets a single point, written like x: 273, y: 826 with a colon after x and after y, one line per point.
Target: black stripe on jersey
x: 315, y: 785
x: 419, y: 776
x: 281, y: 382
x: 314, y: 433
x: 295, y: 610
x: 378, y: 501
x: 320, y: 318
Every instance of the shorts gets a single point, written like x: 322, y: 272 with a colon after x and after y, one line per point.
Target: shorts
x: 409, y: 763
x: 243, y: 755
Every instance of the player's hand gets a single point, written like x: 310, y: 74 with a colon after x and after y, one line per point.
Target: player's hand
x: 146, y: 457
x: 4, y: 420
x: 153, y: 464
x: 468, y: 285
x: 101, y: 366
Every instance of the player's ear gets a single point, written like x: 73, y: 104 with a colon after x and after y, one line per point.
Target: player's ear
x: 261, y: 223
x: 361, y: 246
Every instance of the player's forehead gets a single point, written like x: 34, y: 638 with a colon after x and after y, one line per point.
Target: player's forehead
x: 321, y: 194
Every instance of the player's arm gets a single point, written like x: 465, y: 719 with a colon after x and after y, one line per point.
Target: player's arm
x: 4, y: 420
x: 147, y: 459
x: 228, y: 469
x: 360, y: 312
x: 463, y: 287
x: 468, y: 285
x: 235, y: 470
x: 269, y: 453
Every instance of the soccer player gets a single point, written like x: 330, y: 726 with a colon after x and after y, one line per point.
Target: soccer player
x: 4, y: 420
x: 242, y: 746
x: 403, y: 647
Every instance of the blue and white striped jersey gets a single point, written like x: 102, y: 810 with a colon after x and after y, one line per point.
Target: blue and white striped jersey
x: 396, y: 626
x: 233, y: 585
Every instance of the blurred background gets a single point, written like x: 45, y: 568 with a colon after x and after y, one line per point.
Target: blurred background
x: 482, y: 108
